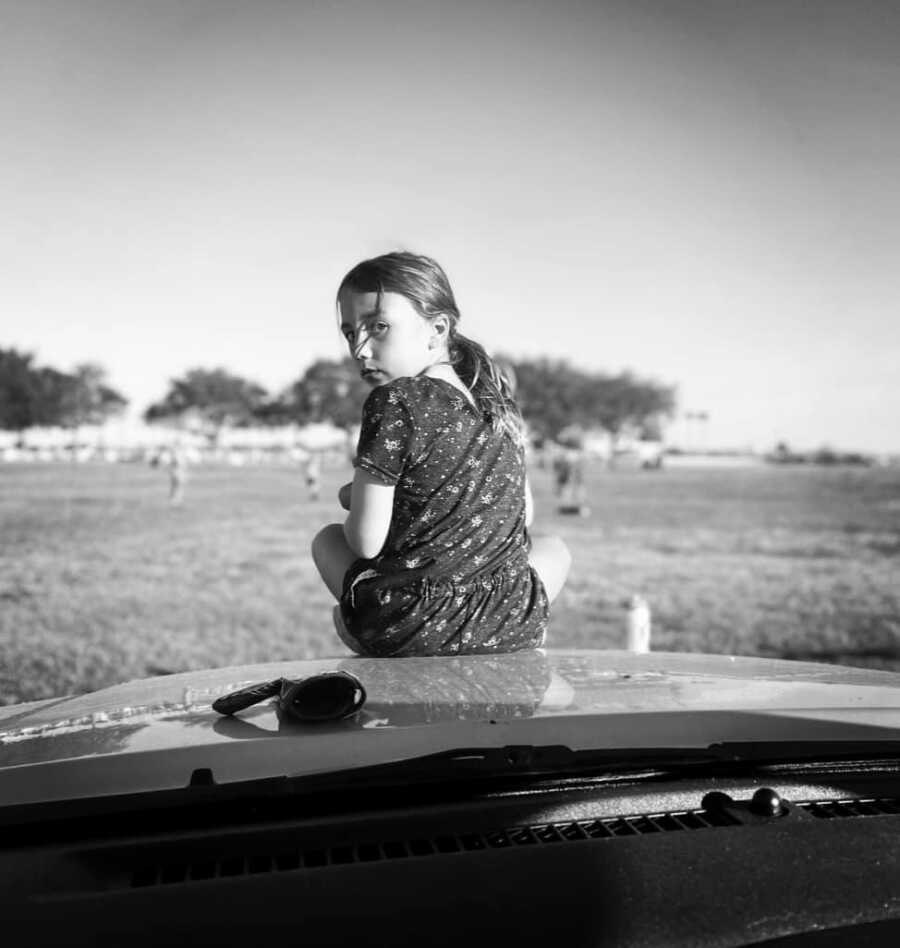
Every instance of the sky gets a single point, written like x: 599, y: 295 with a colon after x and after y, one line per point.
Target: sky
x: 703, y: 192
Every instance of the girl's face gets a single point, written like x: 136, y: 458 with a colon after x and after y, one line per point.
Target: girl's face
x: 387, y: 343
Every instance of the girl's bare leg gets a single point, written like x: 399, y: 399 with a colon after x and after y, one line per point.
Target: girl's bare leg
x: 333, y: 557
x: 551, y: 559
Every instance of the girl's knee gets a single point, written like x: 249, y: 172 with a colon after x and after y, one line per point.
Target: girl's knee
x: 561, y: 554
x: 332, y: 557
x: 552, y: 548
x: 327, y: 549
x: 551, y: 559
x: 560, y: 549
x: 324, y: 541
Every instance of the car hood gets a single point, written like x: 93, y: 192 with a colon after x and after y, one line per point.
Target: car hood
x: 153, y: 734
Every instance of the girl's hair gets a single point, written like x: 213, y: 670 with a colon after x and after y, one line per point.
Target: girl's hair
x: 422, y: 281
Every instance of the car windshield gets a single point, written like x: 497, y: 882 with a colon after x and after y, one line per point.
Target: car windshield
x: 669, y: 233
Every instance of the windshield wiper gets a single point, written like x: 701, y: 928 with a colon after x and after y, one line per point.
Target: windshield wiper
x: 558, y: 760
x: 476, y: 770
x: 806, y: 751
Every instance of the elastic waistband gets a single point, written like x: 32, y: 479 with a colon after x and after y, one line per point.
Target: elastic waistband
x: 431, y: 587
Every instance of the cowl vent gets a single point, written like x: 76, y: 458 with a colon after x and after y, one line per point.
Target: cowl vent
x: 249, y: 862
x: 835, y: 809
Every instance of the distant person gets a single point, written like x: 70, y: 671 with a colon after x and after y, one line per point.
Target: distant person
x: 175, y: 463
x: 568, y: 471
x: 434, y: 557
x: 313, y: 472
x: 562, y: 472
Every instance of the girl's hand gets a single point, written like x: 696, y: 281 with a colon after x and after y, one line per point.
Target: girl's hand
x: 344, y: 496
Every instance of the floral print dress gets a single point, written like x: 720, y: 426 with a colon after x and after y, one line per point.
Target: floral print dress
x: 453, y: 576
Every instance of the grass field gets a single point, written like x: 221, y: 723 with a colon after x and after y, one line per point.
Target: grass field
x: 101, y: 581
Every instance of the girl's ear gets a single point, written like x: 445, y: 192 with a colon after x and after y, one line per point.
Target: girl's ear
x: 440, y: 327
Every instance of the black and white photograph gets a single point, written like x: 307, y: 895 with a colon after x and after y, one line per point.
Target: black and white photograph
x: 450, y: 472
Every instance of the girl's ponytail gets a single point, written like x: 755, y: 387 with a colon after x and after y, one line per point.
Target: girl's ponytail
x: 489, y: 385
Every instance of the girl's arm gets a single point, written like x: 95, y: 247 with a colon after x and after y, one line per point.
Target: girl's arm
x: 529, y: 503
x: 371, y: 506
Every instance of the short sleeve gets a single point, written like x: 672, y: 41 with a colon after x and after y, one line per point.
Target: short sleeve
x: 386, y: 435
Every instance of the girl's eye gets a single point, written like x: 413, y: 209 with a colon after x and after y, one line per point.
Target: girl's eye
x: 380, y: 328
x: 349, y: 335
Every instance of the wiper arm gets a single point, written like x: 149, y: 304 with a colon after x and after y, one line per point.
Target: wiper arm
x: 559, y: 760
x: 517, y: 760
x: 781, y: 752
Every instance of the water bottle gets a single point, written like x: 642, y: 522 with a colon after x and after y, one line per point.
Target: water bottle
x: 638, y: 625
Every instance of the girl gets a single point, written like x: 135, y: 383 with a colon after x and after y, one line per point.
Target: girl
x: 434, y: 557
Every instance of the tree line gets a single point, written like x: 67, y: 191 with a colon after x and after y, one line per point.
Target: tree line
x: 554, y: 397
x: 33, y: 395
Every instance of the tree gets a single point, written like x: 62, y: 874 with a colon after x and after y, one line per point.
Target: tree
x: 327, y: 391
x: 40, y: 395
x: 19, y: 390
x: 554, y: 396
x: 213, y: 397
x: 624, y: 403
x: 84, y: 398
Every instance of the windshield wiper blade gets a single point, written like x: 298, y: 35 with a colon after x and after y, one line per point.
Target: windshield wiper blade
x: 772, y: 752
x: 559, y: 760
x: 517, y: 760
